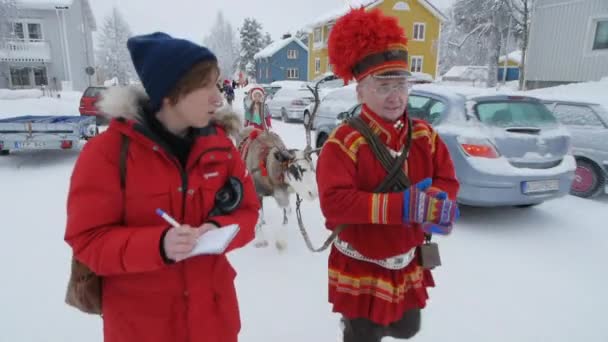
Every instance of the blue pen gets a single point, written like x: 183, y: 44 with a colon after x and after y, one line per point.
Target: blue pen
x: 167, y: 218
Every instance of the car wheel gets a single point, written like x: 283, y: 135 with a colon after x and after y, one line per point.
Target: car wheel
x: 588, y: 179
x: 4, y: 152
x: 321, y: 140
x: 284, y: 115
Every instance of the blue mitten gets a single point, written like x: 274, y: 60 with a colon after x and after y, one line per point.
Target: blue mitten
x: 422, y: 207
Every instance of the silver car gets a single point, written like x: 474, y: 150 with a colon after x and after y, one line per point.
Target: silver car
x: 588, y: 125
x: 507, y: 151
x: 289, y: 103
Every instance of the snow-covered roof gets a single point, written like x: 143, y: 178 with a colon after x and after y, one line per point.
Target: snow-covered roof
x: 275, y: 47
x: 514, y: 57
x: 466, y: 72
x: 44, y: 4
x: 421, y: 76
x: 338, y: 12
x: 54, y: 4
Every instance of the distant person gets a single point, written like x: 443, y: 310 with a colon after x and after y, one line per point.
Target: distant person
x: 228, y: 92
x: 257, y: 113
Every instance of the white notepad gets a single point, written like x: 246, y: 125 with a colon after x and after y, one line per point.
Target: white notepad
x: 215, y: 241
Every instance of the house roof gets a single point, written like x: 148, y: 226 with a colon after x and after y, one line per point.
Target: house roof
x: 53, y: 4
x: 338, y: 12
x: 275, y: 47
x: 44, y: 4
x: 514, y: 57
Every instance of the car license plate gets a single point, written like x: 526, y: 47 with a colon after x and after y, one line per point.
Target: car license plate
x: 30, y: 145
x: 540, y: 186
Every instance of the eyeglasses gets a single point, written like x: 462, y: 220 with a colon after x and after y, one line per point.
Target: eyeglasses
x: 385, y: 89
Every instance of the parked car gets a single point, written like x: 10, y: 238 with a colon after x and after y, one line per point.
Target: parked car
x: 289, y: 103
x: 334, y: 103
x: 507, y: 150
x: 88, y: 104
x: 588, y: 125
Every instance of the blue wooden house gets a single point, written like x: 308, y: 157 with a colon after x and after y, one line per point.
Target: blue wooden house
x: 286, y: 59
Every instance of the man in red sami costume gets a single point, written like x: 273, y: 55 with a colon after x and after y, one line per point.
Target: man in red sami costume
x: 377, y: 272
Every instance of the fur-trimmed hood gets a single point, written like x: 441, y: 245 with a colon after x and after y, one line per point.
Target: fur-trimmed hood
x: 127, y: 102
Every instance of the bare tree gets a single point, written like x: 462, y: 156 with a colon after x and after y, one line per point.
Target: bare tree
x: 223, y: 42
x: 521, y: 15
x: 488, y: 22
x: 112, y: 55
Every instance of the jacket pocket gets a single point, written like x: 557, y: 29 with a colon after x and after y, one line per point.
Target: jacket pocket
x: 212, y: 174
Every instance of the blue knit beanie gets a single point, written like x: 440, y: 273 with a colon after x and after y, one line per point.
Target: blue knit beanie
x: 161, y: 61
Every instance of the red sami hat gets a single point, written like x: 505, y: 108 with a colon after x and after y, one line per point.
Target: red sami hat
x: 364, y: 43
x: 256, y: 90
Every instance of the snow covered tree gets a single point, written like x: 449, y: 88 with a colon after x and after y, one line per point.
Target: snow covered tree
x: 8, y: 11
x: 112, y: 55
x: 486, y: 21
x: 267, y: 40
x: 472, y: 51
x: 223, y: 42
x: 251, y: 43
x: 302, y: 35
x: 520, y: 11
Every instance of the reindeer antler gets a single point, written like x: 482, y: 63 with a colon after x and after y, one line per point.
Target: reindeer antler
x: 309, y: 125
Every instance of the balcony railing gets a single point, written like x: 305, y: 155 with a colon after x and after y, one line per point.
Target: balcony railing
x: 20, y: 50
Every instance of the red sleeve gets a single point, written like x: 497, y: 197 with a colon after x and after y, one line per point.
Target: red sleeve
x: 247, y: 214
x: 341, y: 201
x: 94, y: 215
x: 444, y: 174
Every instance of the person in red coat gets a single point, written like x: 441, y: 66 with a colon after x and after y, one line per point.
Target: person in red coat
x: 377, y: 281
x: 178, y: 158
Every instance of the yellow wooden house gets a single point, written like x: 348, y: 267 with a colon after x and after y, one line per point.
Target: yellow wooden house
x: 419, y: 18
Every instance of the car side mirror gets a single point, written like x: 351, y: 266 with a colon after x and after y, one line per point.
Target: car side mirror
x: 342, y: 116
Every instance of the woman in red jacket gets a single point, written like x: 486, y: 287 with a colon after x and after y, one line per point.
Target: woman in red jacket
x: 177, y: 161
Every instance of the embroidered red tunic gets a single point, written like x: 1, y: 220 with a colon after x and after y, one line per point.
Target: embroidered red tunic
x: 347, y: 174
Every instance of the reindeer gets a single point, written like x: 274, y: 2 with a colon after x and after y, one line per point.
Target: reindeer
x: 276, y: 170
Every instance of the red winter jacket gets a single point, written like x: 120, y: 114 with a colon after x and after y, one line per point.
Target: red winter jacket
x: 348, y: 173
x: 118, y: 235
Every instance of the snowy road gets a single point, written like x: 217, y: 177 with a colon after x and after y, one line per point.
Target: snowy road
x: 525, y: 275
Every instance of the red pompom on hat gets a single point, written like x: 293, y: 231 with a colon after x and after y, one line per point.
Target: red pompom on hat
x: 362, y: 43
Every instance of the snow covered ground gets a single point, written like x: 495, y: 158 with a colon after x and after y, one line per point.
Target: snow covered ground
x: 509, y: 274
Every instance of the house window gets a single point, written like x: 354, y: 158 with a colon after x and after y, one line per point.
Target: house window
x: 27, y: 30
x: 401, y: 6
x: 318, y: 35
x: 416, y: 63
x: 20, y: 77
x: 40, y: 77
x: 327, y: 32
x: 18, y: 31
x: 293, y: 73
x: 317, y: 65
x: 600, y: 42
x: 267, y: 72
x: 419, y: 29
x: 328, y: 66
x: 292, y: 54
x: 34, y: 31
